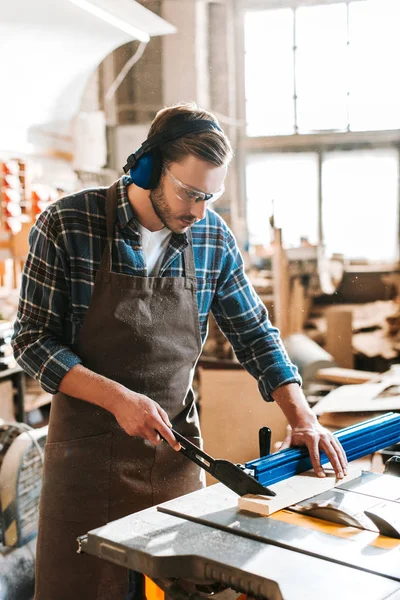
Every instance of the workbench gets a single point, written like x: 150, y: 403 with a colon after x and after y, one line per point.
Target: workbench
x: 203, y: 539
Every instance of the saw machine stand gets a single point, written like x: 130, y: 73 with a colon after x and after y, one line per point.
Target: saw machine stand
x: 182, y: 589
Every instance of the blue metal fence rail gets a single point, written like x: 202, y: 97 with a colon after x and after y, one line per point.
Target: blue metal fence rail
x: 357, y: 440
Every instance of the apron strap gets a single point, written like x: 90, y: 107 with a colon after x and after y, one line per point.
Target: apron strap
x: 111, y: 215
x: 111, y: 209
x: 188, y: 258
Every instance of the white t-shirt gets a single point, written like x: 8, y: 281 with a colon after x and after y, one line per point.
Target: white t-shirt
x: 154, y: 245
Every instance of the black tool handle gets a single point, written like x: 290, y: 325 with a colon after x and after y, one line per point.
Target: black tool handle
x: 264, y: 437
x: 201, y: 458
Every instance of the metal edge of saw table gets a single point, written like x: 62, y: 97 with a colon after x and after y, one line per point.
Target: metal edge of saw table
x: 215, y: 508
x: 216, y: 547
x: 167, y: 547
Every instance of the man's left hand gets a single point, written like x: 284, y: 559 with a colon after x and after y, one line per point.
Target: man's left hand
x: 316, y: 438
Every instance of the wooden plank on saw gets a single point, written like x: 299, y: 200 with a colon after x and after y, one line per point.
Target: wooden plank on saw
x: 293, y: 490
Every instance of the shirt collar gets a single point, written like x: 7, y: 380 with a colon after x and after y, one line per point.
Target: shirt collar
x: 125, y: 212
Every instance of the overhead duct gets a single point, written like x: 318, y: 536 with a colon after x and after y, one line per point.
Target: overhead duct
x: 308, y: 356
x: 48, y: 50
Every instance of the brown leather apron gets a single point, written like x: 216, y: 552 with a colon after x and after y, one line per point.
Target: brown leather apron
x: 144, y: 333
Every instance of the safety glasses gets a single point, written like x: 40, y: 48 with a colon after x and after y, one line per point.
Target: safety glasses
x: 189, y: 194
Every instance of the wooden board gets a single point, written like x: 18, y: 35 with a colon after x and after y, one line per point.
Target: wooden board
x: 7, y: 411
x: 20, y: 241
x: 345, y: 376
x: 335, y: 421
x: 339, y: 337
x: 293, y: 490
x: 298, y: 306
x: 281, y: 285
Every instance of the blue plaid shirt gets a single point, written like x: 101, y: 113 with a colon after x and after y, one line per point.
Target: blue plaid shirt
x: 66, y: 245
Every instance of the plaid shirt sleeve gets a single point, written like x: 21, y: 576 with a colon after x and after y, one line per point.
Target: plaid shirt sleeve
x: 44, y: 298
x: 244, y: 320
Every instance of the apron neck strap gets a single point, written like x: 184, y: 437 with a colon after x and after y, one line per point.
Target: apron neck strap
x: 111, y: 216
x: 111, y: 209
x: 188, y: 258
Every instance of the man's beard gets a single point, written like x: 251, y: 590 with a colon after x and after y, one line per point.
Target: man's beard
x: 164, y: 212
x: 160, y: 206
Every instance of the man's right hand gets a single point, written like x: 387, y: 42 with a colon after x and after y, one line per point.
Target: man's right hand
x: 140, y: 416
x: 136, y: 413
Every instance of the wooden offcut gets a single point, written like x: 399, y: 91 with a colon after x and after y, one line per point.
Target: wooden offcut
x: 339, y: 337
x: 7, y: 411
x: 281, y: 285
x: 293, y: 490
x: 298, y: 306
x: 345, y: 376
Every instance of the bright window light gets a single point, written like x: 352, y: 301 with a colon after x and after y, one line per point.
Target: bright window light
x: 269, y: 77
x: 321, y: 67
x: 360, y: 207
x: 374, y: 58
x: 330, y: 67
x: 286, y: 184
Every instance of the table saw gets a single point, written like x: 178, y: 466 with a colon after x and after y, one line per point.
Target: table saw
x: 203, y: 538
x: 343, y: 543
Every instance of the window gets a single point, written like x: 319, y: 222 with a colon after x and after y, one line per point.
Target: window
x: 359, y: 201
x: 329, y: 68
x: 269, y: 74
x: 321, y: 46
x: 285, y: 185
x: 374, y: 57
x: 323, y: 67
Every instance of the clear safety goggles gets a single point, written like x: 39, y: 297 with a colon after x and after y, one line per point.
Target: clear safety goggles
x: 190, y: 194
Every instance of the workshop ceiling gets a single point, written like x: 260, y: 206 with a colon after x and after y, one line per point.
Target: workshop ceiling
x: 48, y: 49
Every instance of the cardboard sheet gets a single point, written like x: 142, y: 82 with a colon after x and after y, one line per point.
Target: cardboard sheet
x: 361, y: 398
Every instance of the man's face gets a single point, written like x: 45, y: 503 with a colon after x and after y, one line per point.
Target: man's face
x: 176, y: 206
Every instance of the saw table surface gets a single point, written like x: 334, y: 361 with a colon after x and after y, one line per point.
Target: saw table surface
x: 203, y: 537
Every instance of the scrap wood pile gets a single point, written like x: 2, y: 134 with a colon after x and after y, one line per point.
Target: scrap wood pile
x: 375, y: 327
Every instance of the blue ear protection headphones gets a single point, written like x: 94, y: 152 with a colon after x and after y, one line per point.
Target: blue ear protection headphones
x: 145, y: 164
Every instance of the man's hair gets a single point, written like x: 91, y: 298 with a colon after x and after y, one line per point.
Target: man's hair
x: 212, y: 146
